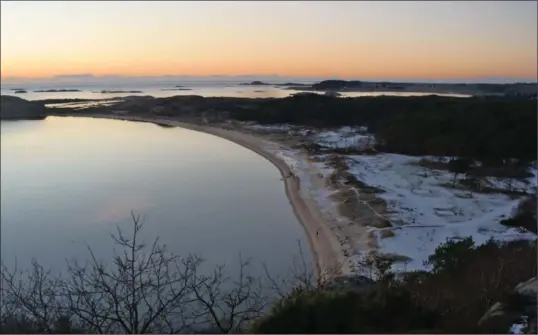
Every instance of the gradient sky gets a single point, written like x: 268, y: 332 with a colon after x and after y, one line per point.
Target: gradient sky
x: 430, y: 40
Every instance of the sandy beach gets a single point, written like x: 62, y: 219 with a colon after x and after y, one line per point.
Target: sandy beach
x: 324, y: 247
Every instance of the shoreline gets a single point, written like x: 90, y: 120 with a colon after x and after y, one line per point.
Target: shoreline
x: 391, y: 92
x: 328, y: 260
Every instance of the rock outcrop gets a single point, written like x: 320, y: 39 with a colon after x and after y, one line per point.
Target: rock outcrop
x: 521, y: 306
x: 15, y: 108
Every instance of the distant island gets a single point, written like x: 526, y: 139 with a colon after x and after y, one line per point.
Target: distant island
x: 517, y: 89
x: 68, y: 100
x: 21, y: 91
x: 55, y: 91
x: 261, y: 83
x: 108, y: 92
x: 292, y: 84
x: 255, y: 83
x: 176, y: 89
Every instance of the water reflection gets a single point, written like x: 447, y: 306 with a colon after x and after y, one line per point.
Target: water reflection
x: 66, y: 182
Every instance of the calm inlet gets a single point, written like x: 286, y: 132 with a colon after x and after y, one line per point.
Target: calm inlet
x: 68, y: 182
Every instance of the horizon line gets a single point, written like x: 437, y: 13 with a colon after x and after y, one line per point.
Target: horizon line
x: 86, y: 76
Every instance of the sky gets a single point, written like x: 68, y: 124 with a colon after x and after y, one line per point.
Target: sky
x: 348, y: 40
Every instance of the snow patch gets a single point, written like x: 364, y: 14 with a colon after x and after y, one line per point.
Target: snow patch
x: 423, y: 210
x: 345, y: 137
x: 269, y: 128
x: 518, y: 328
x: 425, y: 213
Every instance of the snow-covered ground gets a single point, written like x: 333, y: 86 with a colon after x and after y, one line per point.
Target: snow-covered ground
x: 517, y: 328
x: 303, y: 168
x: 345, y: 137
x: 422, y: 207
x: 425, y: 212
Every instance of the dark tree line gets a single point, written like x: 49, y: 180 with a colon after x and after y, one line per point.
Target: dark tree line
x: 488, y: 129
x: 479, y: 128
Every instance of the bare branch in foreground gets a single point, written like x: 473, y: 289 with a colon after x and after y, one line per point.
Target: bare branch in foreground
x: 145, y: 289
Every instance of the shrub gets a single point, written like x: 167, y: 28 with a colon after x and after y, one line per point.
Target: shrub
x: 389, y: 310
x: 451, y: 255
x: 525, y: 216
x: 465, y: 282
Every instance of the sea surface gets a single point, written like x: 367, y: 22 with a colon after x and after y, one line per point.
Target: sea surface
x: 68, y: 183
x: 94, y: 90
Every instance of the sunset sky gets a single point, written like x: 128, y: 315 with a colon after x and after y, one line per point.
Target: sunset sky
x: 430, y: 40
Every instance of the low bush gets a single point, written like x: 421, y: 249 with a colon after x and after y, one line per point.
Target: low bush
x: 465, y: 281
x: 525, y: 216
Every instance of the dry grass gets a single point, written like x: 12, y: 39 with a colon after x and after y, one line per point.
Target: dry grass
x: 358, y: 212
x: 377, y: 202
x: 353, y: 151
x: 351, y: 203
x: 316, y: 159
x: 334, y: 180
x: 351, y: 180
x: 351, y: 209
x: 372, y: 245
x: 381, y: 223
x: 386, y: 233
x: 337, y: 162
x: 430, y: 164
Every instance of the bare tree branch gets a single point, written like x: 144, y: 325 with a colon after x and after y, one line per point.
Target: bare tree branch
x: 144, y: 289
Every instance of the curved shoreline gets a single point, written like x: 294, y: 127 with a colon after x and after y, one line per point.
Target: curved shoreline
x: 327, y: 260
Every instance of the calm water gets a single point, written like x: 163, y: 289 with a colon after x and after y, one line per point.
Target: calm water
x: 66, y: 182
x: 162, y: 89
x: 155, y: 89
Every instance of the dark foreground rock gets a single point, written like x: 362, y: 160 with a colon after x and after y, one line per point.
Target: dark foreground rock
x: 518, y: 309
x: 15, y: 108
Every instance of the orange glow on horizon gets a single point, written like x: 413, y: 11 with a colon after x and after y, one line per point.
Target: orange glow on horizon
x: 377, y: 40
x: 380, y: 70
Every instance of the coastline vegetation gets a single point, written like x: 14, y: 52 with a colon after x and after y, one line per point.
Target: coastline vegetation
x: 481, y: 128
x: 145, y: 289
